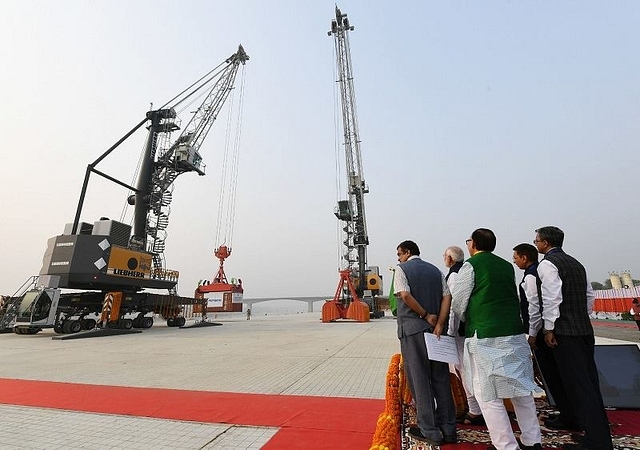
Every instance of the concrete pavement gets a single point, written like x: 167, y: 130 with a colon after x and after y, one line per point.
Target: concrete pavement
x: 278, y: 355
x: 289, y: 355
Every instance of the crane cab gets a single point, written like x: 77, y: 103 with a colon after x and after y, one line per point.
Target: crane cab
x: 187, y: 157
x: 37, y: 310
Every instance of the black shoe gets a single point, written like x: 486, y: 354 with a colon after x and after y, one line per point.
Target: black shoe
x: 577, y: 437
x: 574, y: 447
x: 528, y: 447
x: 450, y: 439
x: 415, y: 433
x: 558, y: 423
x: 469, y: 419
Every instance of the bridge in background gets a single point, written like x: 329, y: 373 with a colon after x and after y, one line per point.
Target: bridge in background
x: 310, y: 300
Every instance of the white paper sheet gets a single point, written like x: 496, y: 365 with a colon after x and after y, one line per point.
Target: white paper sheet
x: 443, y: 349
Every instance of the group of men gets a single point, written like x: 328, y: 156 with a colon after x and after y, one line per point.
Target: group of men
x: 497, y: 330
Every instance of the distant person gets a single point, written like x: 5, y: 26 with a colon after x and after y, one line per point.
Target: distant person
x: 525, y: 256
x: 567, y: 300
x: 635, y: 311
x: 423, y: 306
x: 497, y: 357
x: 248, y: 313
x: 453, y: 260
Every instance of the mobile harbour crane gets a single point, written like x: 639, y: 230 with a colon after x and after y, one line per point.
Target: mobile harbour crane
x: 357, y: 280
x: 109, y: 264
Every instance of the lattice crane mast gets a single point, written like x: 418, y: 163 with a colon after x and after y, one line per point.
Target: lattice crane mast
x: 351, y: 211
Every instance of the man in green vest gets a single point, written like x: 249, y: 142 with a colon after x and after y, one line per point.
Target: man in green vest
x: 497, y: 358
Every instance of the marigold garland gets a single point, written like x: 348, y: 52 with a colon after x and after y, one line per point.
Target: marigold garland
x: 404, y: 385
x: 396, y: 394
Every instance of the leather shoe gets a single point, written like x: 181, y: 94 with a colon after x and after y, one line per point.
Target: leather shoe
x: 574, y: 447
x: 558, y: 423
x: 469, y: 419
x: 529, y: 447
x: 450, y: 439
x: 577, y: 437
x: 415, y: 433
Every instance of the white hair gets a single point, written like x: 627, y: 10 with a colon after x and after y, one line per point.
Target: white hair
x: 456, y: 253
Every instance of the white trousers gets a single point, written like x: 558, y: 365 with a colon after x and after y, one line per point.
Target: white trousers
x: 498, y: 423
x: 474, y: 407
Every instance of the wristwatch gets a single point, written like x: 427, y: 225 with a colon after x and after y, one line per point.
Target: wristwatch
x: 424, y: 316
x: 547, y: 331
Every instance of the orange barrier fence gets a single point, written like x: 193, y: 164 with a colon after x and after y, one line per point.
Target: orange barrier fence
x: 612, y: 305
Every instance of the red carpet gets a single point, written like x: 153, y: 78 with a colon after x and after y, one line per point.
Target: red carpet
x: 625, y: 422
x: 614, y: 324
x: 304, y: 422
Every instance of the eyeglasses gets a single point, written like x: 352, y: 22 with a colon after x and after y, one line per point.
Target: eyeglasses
x: 535, y: 241
x: 468, y: 240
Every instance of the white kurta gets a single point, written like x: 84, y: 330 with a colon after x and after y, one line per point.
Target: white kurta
x: 454, y: 321
x: 500, y: 367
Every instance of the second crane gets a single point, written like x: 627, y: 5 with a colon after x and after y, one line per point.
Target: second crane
x: 358, y: 282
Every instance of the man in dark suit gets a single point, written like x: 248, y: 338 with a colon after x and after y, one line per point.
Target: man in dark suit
x: 567, y: 300
x: 525, y: 256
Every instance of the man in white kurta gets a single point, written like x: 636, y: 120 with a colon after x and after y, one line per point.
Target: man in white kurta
x: 497, y: 357
x: 453, y: 260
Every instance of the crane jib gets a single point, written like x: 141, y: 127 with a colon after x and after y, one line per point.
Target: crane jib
x: 164, y: 160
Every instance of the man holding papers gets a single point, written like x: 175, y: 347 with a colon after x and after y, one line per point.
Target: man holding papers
x: 453, y: 260
x: 497, y: 358
x: 424, y: 302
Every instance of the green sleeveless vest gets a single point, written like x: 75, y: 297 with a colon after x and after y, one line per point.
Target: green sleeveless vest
x: 494, y: 306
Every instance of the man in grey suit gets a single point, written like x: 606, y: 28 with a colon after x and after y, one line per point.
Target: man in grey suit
x: 424, y: 307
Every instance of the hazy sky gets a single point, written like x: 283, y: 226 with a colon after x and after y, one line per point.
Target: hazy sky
x: 497, y: 114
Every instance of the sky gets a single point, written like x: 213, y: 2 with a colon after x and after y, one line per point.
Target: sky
x: 500, y: 114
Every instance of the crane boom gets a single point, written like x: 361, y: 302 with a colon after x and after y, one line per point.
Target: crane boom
x: 351, y: 211
x: 198, y: 127
x: 162, y: 162
x: 153, y: 196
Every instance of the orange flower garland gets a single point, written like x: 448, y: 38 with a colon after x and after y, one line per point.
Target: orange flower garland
x: 397, y: 393
x: 404, y: 385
